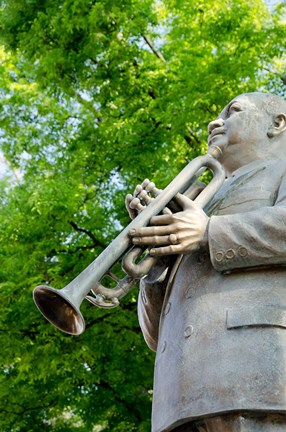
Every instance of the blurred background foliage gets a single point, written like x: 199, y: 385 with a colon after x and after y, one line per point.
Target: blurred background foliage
x: 94, y: 97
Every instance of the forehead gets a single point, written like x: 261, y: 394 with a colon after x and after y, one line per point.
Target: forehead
x: 248, y: 102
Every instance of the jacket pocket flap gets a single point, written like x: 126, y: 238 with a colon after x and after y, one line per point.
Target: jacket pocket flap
x: 264, y: 316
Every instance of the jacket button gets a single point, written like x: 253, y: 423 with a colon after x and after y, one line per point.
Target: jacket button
x: 242, y: 251
x: 188, y: 331
x: 219, y: 256
x: 230, y: 254
x: 163, y: 346
x: 167, y: 308
x: 190, y: 292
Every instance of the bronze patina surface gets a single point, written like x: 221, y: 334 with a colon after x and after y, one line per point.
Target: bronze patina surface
x: 214, y: 307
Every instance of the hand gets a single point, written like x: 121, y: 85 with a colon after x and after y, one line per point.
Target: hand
x: 142, y: 196
x: 178, y: 233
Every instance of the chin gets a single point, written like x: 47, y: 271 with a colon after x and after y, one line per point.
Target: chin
x: 219, y: 141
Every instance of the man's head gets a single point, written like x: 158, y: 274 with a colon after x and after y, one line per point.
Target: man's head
x: 251, y: 127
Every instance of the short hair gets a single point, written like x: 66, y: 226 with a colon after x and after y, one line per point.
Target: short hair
x: 270, y: 103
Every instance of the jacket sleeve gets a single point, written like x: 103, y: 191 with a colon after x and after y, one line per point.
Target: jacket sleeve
x: 254, y: 238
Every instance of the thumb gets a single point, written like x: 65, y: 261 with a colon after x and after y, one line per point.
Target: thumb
x: 185, y: 202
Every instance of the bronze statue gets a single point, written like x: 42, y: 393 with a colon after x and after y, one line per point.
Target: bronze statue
x: 214, y: 306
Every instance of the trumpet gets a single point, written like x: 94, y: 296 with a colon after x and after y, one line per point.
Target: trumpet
x: 62, y: 307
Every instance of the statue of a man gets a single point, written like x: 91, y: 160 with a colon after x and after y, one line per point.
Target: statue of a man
x: 214, y: 308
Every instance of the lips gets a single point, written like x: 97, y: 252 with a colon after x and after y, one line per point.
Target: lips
x: 216, y: 132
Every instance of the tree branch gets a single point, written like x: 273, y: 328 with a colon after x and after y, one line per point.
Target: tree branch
x: 89, y: 234
x: 151, y: 92
x: 151, y: 46
x: 28, y: 409
x: 130, y: 407
x: 193, y: 135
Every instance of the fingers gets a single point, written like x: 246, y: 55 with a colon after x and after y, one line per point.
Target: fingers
x: 184, y: 201
x: 139, y: 192
x: 165, y: 219
x: 135, y: 204
x: 167, y: 250
x: 131, y: 212
x: 172, y: 250
x: 151, y: 231
x: 146, y: 189
x: 150, y: 187
x: 142, y: 196
x: 157, y: 240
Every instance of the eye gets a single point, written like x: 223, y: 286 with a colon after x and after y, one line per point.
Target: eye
x: 235, y: 107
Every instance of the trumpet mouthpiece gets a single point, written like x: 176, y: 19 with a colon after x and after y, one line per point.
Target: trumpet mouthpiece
x: 216, y: 151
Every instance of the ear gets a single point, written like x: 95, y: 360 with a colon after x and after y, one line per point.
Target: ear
x: 278, y: 127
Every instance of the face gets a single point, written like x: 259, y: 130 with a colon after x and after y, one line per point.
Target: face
x: 241, y: 131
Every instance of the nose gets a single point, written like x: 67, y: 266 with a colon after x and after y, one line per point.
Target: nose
x: 215, y: 124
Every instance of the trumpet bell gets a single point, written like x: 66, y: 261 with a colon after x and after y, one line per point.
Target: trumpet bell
x: 59, y: 310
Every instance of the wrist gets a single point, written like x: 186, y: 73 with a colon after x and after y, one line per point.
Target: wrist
x: 205, y: 239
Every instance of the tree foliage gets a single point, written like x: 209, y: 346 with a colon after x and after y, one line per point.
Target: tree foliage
x: 96, y: 96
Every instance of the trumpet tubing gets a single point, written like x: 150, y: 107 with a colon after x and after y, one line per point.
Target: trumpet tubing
x: 61, y: 307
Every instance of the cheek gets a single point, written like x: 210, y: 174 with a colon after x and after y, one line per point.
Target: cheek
x: 239, y: 128
x: 236, y: 134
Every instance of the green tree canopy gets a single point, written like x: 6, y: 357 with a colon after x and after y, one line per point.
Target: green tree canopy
x: 96, y: 96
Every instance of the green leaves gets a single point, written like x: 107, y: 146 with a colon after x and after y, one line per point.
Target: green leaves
x: 95, y: 97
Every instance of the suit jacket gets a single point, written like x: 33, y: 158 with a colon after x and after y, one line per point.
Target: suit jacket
x: 219, y: 326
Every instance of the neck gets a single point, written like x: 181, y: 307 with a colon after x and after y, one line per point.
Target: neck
x: 236, y: 156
